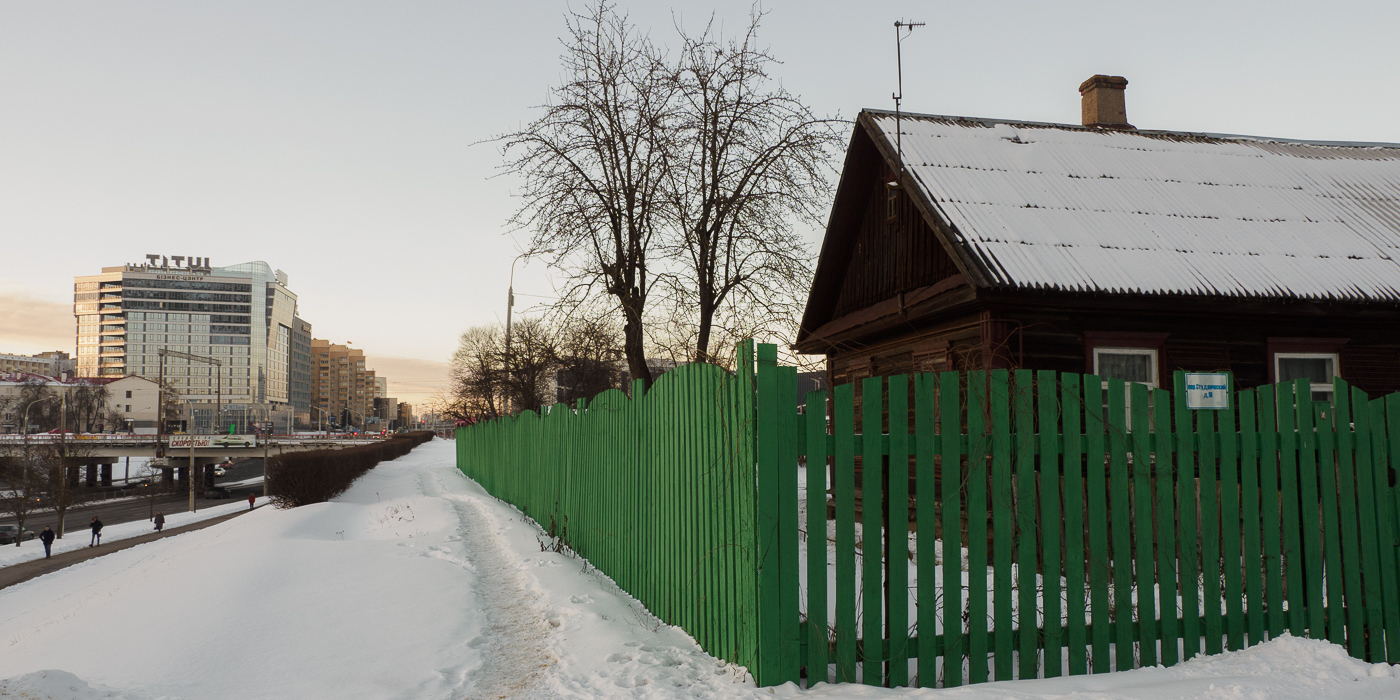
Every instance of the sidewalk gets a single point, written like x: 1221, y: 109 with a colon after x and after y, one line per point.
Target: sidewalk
x: 23, y: 571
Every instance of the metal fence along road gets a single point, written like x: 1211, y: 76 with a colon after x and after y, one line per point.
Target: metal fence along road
x: 983, y: 525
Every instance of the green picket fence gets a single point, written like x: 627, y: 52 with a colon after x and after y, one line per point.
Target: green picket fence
x: 1083, y: 526
x: 657, y: 491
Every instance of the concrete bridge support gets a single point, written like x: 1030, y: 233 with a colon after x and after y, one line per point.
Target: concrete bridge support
x: 106, y: 475
x: 91, y: 472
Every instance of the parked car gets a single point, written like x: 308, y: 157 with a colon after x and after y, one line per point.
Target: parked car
x: 217, y: 492
x: 8, y: 532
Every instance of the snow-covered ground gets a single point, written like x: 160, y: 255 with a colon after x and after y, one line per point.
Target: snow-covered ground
x: 417, y: 584
x: 77, y: 535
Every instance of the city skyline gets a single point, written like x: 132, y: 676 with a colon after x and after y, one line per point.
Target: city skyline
x: 353, y: 150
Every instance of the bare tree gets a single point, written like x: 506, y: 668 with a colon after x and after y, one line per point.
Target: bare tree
x: 752, y: 158
x: 56, y: 462
x: 594, y: 167
x: 20, y: 494
x: 477, y: 374
x: 152, y: 484
x: 87, y: 406
x: 531, y: 361
x: 587, y: 359
x: 38, y: 405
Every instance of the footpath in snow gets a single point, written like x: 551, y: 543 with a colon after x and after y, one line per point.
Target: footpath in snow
x: 417, y: 584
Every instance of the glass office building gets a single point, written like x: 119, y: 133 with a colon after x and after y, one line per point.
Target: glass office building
x: 240, y: 315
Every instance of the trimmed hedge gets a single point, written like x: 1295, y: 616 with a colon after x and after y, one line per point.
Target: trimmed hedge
x: 300, y: 478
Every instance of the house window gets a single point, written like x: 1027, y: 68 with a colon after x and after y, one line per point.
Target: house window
x: 1129, y: 364
x: 128, y: 406
x: 1133, y: 366
x: 1319, y: 368
x: 128, y: 395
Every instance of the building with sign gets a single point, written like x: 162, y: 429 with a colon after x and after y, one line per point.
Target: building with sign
x: 240, y: 315
x: 961, y: 243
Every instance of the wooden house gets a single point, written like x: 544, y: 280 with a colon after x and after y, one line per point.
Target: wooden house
x: 1100, y: 248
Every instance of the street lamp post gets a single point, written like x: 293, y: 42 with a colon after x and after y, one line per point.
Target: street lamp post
x: 323, y: 417
x: 510, y: 302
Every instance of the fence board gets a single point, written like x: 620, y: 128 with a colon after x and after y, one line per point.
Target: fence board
x: 978, y: 449
x: 1048, y: 408
x: 1164, y: 475
x: 1141, y: 482
x: 1331, y: 523
x: 1186, y: 505
x: 1073, y: 408
x: 1207, y: 484
x: 1230, y: 528
x: 1388, y: 505
x: 1003, y: 524
x: 1119, y: 514
x: 1288, y: 494
x: 845, y: 497
x: 1097, y: 484
x: 1388, y: 592
x: 1366, y: 512
x: 1271, y: 525
x: 1310, y: 503
x: 1249, y: 508
x: 1351, y: 534
x: 1026, y: 541
x: 897, y: 567
x: 950, y: 426
x: 926, y: 544
x: 817, y: 639
x: 871, y: 500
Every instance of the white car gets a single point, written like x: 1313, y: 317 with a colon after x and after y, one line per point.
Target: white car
x: 235, y: 441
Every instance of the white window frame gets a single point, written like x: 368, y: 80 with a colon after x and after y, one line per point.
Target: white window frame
x: 1150, y: 352
x: 1316, y: 387
x: 1128, y: 385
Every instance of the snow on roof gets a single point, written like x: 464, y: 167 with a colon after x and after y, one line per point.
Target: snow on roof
x: 1070, y: 208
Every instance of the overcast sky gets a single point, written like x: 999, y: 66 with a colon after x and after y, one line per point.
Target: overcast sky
x: 342, y: 141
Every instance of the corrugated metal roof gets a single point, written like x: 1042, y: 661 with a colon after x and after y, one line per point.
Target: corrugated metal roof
x: 1069, y: 208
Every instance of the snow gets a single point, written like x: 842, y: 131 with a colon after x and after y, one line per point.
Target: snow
x: 417, y: 584
x: 77, y: 535
x: 1043, y: 205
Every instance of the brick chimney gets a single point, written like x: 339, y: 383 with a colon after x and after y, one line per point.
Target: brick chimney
x: 1101, y: 102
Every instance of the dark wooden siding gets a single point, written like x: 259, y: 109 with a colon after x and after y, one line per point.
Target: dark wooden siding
x: 891, y: 254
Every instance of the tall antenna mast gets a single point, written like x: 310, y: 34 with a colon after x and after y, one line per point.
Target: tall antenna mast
x: 898, y: 96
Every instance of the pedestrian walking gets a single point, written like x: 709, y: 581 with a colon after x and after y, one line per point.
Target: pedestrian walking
x: 251, y: 498
x: 96, y: 527
x: 160, y: 520
x: 47, y: 538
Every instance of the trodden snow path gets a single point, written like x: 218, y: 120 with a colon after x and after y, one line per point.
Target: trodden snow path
x: 418, y: 584
x: 515, y: 654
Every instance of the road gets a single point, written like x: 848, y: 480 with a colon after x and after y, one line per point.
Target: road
x: 112, y: 513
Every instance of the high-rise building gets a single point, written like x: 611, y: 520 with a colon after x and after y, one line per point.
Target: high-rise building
x: 341, y: 386
x: 301, y: 372
x: 240, y: 315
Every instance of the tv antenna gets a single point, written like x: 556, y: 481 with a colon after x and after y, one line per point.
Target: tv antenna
x: 898, y: 96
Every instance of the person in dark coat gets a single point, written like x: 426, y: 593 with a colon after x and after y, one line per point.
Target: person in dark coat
x: 47, y: 538
x: 96, y: 527
x: 251, y: 498
x: 160, y: 520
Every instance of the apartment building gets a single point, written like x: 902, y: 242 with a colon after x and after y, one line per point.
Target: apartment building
x: 342, y: 389
x: 50, y: 364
